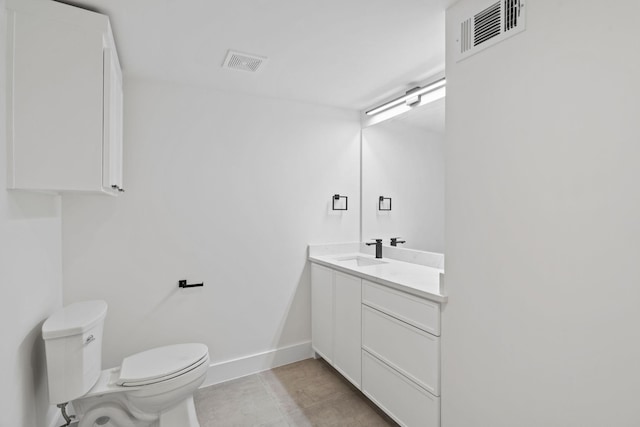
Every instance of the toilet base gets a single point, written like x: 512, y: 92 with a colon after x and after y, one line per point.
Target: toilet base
x: 109, y: 415
x: 166, y: 403
x: 183, y: 414
x: 113, y: 414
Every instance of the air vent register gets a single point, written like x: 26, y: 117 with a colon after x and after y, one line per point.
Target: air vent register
x: 484, y: 26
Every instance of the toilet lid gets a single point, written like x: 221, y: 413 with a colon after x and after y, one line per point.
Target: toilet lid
x: 161, y: 363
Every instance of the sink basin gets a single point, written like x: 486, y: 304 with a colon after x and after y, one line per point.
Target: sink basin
x: 358, y: 261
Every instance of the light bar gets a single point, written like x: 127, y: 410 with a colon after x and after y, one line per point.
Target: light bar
x: 411, y: 98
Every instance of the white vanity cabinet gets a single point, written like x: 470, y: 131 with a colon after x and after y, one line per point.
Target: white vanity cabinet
x: 384, y: 340
x: 336, y: 320
x: 348, y: 327
x: 322, y: 311
x: 401, y: 352
x: 64, y: 99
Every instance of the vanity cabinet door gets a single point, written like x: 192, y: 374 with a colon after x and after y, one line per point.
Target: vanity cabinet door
x: 322, y: 311
x: 409, y: 350
x: 402, y: 399
x: 411, y: 309
x: 347, y: 342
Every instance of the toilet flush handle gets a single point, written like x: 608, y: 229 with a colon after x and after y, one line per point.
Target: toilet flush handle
x: 89, y: 339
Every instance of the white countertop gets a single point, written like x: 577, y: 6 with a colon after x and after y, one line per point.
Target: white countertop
x: 415, y: 279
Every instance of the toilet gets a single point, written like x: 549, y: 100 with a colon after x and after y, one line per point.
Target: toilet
x: 153, y: 388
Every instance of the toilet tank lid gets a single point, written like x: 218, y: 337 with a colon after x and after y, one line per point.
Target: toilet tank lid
x: 74, y: 319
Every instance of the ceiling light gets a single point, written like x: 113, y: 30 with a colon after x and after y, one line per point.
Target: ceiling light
x: 414, y: 97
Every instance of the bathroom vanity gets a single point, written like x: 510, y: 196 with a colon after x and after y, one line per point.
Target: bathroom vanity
x: 377, y: 321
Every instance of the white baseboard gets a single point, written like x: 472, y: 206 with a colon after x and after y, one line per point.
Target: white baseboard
x: 243, y: 366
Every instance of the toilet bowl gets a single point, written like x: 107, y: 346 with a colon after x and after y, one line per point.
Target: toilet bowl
x: 149, y: 388
x: 153, y: 388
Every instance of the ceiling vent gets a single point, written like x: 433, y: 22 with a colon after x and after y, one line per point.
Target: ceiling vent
x: 480, y: 27
x: 243, y: 61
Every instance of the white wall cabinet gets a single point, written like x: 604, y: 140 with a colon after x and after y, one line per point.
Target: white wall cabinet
x: 385, y: 341
x: 64, y: 103
x: 336, y: 320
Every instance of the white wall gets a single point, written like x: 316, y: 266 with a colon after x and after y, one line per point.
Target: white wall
x: 543, y: 223
x: 406, y: 163
x: 221, y: 188
x: 30, y: 279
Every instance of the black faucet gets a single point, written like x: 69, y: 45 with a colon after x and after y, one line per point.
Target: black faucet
x: 378, y: 244
x: 395, y: 241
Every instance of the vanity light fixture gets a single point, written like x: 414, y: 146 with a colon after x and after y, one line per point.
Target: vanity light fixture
x: 412, y: 98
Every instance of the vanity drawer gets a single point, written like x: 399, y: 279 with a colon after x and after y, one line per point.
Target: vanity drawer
x: 399, y: 397
x: 416, y: 311
x: 411, y: 351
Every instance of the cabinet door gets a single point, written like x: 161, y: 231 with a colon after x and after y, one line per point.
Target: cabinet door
x: 411, y: 309
x: 402, y: 399
x: 347, y: 347
x: 322, y: 311
x: 112, y: 143
x: 55, y: 97
x: 409, y: 350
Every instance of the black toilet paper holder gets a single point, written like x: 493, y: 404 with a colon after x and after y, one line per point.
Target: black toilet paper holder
x: 183, y: 284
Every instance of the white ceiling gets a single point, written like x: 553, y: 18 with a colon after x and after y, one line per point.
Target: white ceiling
x: 342, y: 53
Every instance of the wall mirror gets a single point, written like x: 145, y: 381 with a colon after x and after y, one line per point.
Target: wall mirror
x: 403, y: 162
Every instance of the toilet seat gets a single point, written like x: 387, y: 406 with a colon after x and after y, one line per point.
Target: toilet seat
x: 161, y: 364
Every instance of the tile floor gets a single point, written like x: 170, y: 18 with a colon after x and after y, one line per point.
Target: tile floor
x: 305, y: 393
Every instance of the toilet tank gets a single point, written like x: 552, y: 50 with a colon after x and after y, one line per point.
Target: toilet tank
x: 73, y: 347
